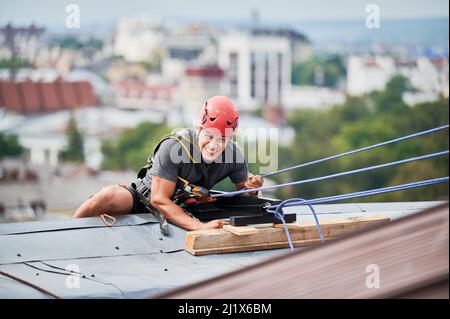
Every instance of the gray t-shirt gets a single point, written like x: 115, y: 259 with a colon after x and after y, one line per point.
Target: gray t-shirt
x: 172, y: 160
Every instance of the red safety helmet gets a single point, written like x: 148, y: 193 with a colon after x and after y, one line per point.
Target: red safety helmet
x: 220, y: 113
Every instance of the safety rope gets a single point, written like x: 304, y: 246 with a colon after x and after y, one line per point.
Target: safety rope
x: 360, y: 170
x: 358, y: 150
x: 375, y: 191
x: 277, y: 210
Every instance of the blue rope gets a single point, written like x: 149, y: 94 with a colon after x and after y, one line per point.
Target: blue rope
x: 358, y: 150
x: 279, y: 214
x: 277, y: 210
x: 376, y: 191
x: 364, y: 169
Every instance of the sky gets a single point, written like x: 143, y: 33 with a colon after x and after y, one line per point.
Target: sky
x: 51, y: 13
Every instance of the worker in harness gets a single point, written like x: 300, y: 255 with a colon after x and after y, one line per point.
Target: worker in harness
x: 184, y: 166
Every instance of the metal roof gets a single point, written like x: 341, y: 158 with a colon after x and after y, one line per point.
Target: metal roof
x: 131, y: 259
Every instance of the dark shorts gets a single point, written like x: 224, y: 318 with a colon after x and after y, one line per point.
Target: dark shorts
x: 138, y: 206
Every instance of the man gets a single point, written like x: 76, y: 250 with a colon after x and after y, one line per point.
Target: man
x: 202, y: 156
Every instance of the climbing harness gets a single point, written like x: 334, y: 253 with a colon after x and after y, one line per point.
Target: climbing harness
x: 191, y: 194
x: 187, y: 195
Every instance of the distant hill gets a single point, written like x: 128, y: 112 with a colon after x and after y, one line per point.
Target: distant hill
x: 417, y: 32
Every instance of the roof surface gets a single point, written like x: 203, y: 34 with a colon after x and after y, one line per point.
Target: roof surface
x: 131, y: 259
x: 407, y: 258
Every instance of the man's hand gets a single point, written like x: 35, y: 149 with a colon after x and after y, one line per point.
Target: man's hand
x: 214, y: 224
x: 254, y: 181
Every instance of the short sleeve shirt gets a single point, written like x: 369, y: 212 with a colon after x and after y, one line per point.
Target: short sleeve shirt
x: 172, y: 160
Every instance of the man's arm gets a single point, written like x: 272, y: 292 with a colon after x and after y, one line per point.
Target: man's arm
x: 161, y: 193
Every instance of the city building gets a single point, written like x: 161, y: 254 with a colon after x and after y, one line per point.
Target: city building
x: 366, y: 73
x: 258, y: 67
x: 137, y: 38
x: 428, y: 76
x: 198, y: 84
x: 23, y: 42
x: 312, y: 97
x: 301, y: 47
x: 132, y: 94
x: 44, y: 135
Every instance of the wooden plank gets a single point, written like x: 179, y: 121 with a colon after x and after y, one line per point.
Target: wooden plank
x: 334, y: 221
x: 255, y: 247
x: 240, y: 231
x: 334, y: 227
x: 215, y: 241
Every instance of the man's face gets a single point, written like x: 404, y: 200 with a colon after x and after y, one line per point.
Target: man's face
x: 212, y: 144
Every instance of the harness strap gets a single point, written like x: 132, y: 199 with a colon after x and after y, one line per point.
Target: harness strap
x: 179, y: 138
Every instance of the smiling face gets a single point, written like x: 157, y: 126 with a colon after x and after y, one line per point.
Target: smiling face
x: 212, y: 144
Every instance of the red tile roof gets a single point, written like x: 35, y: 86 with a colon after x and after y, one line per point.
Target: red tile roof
x: 48, y: 96
x: 29, y: 97
x: 67, y: 96
x: 2, y: 102
x: 204, y: 71
x: 84, y: 93
x: 10, y: 96
x: 33, y: 97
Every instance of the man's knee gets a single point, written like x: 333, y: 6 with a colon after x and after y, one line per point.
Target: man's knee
x: 111, y: 199
x: 111, y: 196
x: 106, y: 194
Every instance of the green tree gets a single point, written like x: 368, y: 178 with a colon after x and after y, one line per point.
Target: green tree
x: 10, y: 146
x: 74, y: 151
x: 327, y: 69
x: 390, y: 100
x: 360, y: 122
x: 14, y: 62
x: 132, y: 147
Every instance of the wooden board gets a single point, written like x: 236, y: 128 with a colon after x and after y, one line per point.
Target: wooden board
x: 215, y: 241
x: 240, y: 231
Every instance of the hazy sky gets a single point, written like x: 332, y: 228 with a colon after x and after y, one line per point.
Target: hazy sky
x: 51, y: 12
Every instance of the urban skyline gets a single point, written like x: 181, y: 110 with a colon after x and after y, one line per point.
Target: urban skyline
x: 51, y: 13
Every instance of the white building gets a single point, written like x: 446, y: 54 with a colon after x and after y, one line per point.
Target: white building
x: 198, y: 84
x: 26, y: 41
x: 258, y: 67
x: 193, y: 44
x: 428, y: 76
x: 136, y: 39
x: 366, y: 74
x: 312, y: 97
x: 189, y: 43
x: 139, y: 95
